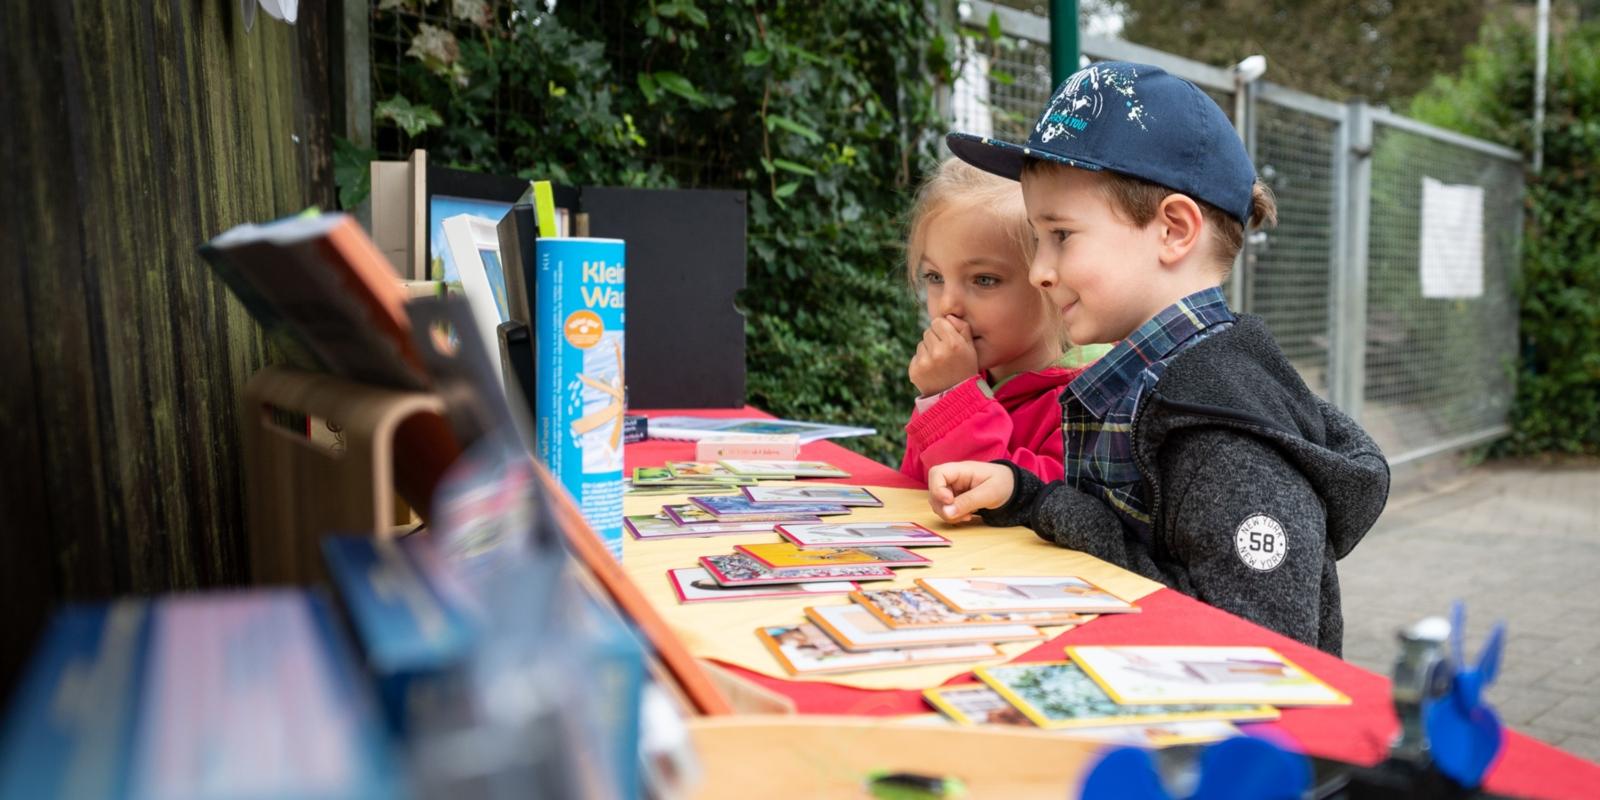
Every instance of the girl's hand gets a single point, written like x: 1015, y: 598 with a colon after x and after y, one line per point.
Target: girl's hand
x: 945, y: 357
x: 959, y: 489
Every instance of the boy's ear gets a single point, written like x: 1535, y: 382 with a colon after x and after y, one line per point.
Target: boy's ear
x: 1181, y: 224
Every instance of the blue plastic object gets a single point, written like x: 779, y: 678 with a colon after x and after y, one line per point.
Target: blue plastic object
x: 1464, y: 733
x: 1241, y: 768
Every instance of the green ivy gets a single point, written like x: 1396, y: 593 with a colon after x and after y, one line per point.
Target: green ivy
x: 824, y: 113
x: 1557, y: 406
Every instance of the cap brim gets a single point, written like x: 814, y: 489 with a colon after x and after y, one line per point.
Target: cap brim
x: 1003, y: 158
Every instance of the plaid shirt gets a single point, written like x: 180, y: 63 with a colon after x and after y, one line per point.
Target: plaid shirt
x: 1098, y: 407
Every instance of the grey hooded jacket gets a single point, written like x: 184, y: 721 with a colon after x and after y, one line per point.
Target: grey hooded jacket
x: 1256, y: 486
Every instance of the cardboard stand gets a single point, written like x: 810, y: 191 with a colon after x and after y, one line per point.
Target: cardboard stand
x: 299, y: 487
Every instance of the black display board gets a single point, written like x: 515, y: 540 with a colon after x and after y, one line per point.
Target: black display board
x: 686, y: 266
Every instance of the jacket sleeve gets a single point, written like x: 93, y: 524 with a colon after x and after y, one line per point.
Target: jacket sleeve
x: 1067, y: 517
x: 967, y: 424
x: 1248, y: 528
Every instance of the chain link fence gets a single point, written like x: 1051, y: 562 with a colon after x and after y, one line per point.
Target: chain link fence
x: 1403, y: 317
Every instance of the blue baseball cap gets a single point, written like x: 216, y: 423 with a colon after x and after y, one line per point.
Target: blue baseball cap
x: 1137, y: 120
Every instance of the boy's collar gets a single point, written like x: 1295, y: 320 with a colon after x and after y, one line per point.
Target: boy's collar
x: 1108, y: 379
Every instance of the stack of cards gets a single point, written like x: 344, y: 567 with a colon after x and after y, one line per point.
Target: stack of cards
x: 685, y: 477
x: 769, y: 470
x: 870, y: 552
x: 939, y: 612
x: 1111, y: 687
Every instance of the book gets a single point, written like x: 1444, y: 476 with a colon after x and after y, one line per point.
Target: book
x: 199, y: 695
x: 696, y: 428
x: 578, y: 332
x: 718, y: 446
x: 475, y: 248
x: 320, y: 287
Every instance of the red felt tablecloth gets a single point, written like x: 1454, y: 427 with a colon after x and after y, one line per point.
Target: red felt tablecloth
x: 1357, y: 733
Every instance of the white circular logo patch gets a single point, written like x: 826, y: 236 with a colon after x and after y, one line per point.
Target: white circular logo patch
x: 1261, y: 543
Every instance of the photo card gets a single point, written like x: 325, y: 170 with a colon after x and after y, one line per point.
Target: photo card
x: 652, y: 526
x: 738, y: 569
x: 689, y: 513
x: 805, y: 650
x: 781, y: 555
x: 917, y: 608
x: 853, y: 496
x: 1056, y: 593
x: 850, y: 625
x: 695, y: 585
x: 975, y: 704
x: 860, y: 534
x: 1177, y: 674
x: 778, y: 470
x: 1057, y: 694
x: 740, y: 507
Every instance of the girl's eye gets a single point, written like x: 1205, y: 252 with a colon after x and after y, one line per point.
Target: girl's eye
x: 932, y: 277
x: 986, y: 280
x: 1060, y: 236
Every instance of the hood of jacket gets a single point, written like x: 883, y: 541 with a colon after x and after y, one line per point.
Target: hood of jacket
x: 1240, y: 379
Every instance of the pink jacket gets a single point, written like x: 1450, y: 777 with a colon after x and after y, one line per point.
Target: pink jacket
x: 1021, y: 423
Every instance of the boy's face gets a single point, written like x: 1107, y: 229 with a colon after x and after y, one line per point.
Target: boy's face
x: 972, y: 270
x: 1102, y: 272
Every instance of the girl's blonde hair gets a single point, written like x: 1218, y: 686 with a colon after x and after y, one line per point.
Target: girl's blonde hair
x: 959, y: 184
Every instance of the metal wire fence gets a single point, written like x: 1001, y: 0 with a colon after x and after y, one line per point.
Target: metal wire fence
x: 1340, y: 280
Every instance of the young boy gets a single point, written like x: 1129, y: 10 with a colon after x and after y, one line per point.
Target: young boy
x: 1195, y: 454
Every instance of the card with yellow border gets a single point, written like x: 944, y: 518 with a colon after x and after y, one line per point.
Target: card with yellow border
x: 779, y: 555
x: 1178, y: 674
x: 1057, y: 694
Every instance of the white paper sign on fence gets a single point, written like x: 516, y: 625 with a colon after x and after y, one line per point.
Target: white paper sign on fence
x: 1452, y: 240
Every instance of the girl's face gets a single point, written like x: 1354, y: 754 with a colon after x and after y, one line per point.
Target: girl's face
x: 972, y: 270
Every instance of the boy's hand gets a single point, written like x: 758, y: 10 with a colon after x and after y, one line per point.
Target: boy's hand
x: 945, y: 357
x: 962, y: 488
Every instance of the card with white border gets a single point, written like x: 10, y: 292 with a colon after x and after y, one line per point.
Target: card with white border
x: 851, y: 626
x: 1054, y: 593
x: 738, y: 569
x: 695, y: 585
x: 853, y: 496
x: 860, y: 534
x: 784, y: 555
x: 805, y: 650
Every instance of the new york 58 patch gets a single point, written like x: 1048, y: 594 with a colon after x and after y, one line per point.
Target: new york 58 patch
x: 1261, y: 543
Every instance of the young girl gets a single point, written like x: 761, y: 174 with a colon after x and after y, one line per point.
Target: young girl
x: 990, y: 367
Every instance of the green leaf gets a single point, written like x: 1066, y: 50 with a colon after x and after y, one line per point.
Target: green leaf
x: 994, y: 26
x: 790, y: 166
x: 757, y: 57
x: 411, y: 119
x: 787, y: 189
x: 352, y: 171
x: 647, y: 84
x: 779, y: 121
x: 1002, y: 77
x: 680, y: 86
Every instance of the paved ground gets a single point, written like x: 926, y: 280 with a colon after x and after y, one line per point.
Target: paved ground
x: 1519, y: 542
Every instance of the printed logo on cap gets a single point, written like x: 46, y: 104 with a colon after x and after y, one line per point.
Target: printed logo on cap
x: 1089, y: 94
